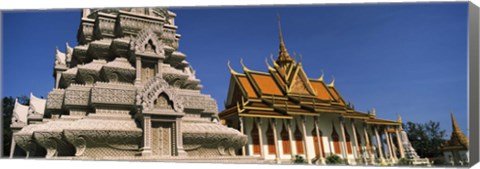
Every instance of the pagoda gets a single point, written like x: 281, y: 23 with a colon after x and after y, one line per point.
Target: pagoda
x: 124, y: 92
x: 286, y: 113
x: 455, y: 150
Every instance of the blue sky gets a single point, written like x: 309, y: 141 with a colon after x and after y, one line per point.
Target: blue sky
x: 407, y: 59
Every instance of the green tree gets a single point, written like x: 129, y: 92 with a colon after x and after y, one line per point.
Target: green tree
x: 426, y: 138
x: 7, y: 112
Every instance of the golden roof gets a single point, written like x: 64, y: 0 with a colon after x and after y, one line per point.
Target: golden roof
x: 286, y: 90
x: 457, y: 138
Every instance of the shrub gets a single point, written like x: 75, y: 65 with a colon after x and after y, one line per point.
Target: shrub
x: 299, y: 160
x: 334, y: 159
x: 404, y: 161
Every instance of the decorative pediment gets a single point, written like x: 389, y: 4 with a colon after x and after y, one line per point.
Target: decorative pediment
x: 147, y: 42
x: 155, y: 88
x: 299, y: 83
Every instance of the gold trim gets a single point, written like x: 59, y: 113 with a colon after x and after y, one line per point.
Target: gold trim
x: 231, y: 69
x: 265, y: 116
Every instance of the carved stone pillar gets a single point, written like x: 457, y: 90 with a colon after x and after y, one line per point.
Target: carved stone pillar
x: 242, y: 130
x: 260, y: 136
x: 379, y: 145
x: 275, y: 138
x: 399, y: 141
x: 389, y: 146
x: 320, y: 148
x: 138, y: 67
x: 304, y: 132
x: 179, y: 139
x: 159, y: 67
x: 147, y: 135
x: 290, y: 138
x: 355, y: 139
x: 344, y: 139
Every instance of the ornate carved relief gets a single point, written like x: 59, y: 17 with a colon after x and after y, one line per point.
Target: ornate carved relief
x: 153, y: 88
x: 109, y: 95
x: 147, y: 42
x: 77, y: 95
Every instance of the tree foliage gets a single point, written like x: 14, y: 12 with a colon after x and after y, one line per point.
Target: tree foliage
x: 8, y: 104
x: 425, y: 138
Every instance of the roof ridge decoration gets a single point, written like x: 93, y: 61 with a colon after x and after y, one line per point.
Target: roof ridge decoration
x: 321, y: 76
x: 283, y: 59
x: 60, y: 58
x: 268, y: 65
x: 232, y: 71
x: 243, y: 66
x: 37, y: 105
x: 20, y: 112
x: 300, y: 83
x: 332, y: 84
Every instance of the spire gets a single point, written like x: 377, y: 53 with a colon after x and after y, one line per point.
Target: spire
x: 283, y: 56
x: 454, y: 123
x: 457, y: 138
x: 399, y: 118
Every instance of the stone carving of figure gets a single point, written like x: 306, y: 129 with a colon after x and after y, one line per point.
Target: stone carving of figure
x: 60, y: 58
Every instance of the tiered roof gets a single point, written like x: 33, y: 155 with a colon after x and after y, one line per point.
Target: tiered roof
x: 286, y: 90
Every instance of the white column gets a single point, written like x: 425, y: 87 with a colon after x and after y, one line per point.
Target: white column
x: 389, y: 146
x: 275, y: 138
x: 304, y: 132
x: 367, y: 145
x: 242, y: 130
x: 355, y: 139
x: 12, y: 147
x: 399, y: 141
x: 394, y: 149
x: 320, y: 148
x: 344, y: 140
x: 290, y: 138
x: 260, y: 136
x: 379, y: 144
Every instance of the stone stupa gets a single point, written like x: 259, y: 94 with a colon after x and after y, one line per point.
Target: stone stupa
x: 126, y: 92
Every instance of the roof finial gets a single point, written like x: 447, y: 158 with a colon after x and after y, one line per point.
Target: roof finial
x: 321, y: 76
x: 283, y: 56
x: 231, y: 69
x: 332, y: 84
x: 399, y: 119
x: 268, y: 65
x: 374, y: 113
x: 243, y: 65
x: 273, y: 60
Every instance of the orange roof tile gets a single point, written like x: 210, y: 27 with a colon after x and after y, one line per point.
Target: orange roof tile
x: 336, y: 95
x: 247, y: 86
x: 266, y: 84
x: 322, y: 91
